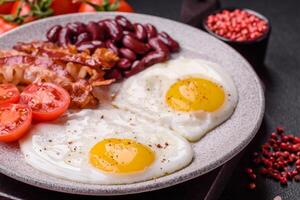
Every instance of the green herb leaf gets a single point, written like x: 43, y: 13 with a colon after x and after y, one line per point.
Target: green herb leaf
x: 114, y: 6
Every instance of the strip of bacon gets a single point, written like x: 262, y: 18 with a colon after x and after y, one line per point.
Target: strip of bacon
x: 78, y: 80
x: 102, y: 58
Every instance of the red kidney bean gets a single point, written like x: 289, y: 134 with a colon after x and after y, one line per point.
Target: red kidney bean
x: 82, y: 37
x: 113, y: 29
x: 127, y: 53
x: 64, y: 36
x: 136, y: 67
x: 148, y: 60
x: 81, y: 27
x: 140, y: 31
x: 155, y: 57
x: 135, y: 45
x: 124, y: 64
x: 101, y: 22
x: 76, y: 28
x: 151, y: 31
x: 53, y: 33
x: 110, y: 45
x: 158, y: 45
x: 90, y: 45
x: 169, y: 41
x: 96, y: 32
x: 129, y: 33
x: 114, y: 74
x: 124, y: 22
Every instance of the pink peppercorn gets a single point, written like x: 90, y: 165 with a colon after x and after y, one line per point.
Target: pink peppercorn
x: 278, y: 158
x: 237, y: 25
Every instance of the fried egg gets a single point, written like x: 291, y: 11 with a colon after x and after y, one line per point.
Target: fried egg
x: 189, y: 96
x: 107, y: 146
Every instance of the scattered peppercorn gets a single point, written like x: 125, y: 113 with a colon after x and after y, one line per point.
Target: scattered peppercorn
x: 252, y: 186
x: 278, y: 159
x: 237, y: 25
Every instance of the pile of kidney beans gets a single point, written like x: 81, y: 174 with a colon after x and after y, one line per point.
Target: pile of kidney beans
x: 138, y: 45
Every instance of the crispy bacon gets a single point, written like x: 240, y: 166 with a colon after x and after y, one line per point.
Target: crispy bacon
x: 102, y: 57
x: 5, y: 53
x: 78, y: 73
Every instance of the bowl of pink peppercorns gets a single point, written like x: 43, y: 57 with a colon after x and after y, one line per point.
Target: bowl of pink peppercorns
x: 245, y: 30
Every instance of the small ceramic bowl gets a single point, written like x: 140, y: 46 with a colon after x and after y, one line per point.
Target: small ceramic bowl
x: 253, y: 50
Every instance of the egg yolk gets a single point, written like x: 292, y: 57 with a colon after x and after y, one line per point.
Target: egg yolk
x: 121, y: 156
x: 194, y: 94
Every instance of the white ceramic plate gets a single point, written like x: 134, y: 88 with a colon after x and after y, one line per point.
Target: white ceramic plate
x: 211, y: 151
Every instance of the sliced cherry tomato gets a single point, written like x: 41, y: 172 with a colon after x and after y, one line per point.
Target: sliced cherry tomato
x: 25, y: 10
x: 6, y: 7
x: 9, y: 93
x: 123, y: 6
x: 15, y: 121
x: 47, y: 101
x: 64, y: 7
x: 84, y: 7
x: 6, y: 26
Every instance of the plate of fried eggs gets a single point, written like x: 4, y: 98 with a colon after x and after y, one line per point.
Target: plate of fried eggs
x: 170, y: 123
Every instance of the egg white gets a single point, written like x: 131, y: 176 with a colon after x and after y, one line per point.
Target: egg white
x: 62, y: 148
x: 144, y: 94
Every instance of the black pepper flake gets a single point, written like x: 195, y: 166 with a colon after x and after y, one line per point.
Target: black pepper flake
x: 159, y: 146
x: 70, y: 142
x: 49, y: 140
x: 166, y: 144
x: 102, y: 116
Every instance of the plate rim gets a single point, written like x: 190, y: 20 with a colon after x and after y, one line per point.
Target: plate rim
x: 156, y: 185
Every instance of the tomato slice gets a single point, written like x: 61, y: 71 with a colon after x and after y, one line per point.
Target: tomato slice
x: 9, y: 93
x: 123, y: 6
x: 15, y: 121
x: 47, y: 101
x: 84, y: 7
x: 6, y: 7
x: 61, y: 7
x: 6, y: 26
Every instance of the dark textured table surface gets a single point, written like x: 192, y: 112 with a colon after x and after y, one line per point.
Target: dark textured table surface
x: 281, y: 76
